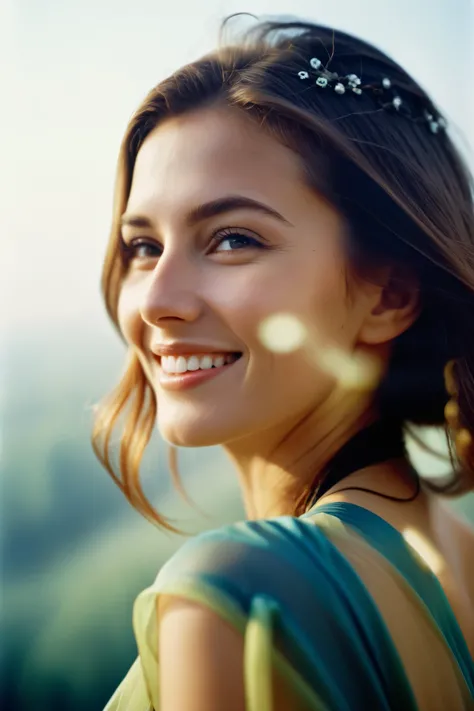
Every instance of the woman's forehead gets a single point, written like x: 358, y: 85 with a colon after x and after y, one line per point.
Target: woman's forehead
x: 210, y: 152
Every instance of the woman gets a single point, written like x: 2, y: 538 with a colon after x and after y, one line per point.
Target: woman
x: 299, y: 174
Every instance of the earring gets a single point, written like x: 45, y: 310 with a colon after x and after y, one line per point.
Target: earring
x: 461, y: 436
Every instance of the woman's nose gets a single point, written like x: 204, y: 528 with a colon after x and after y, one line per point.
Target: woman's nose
x: 172, y: 292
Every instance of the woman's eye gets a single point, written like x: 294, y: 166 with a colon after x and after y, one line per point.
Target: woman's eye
x: 141, y: 249
x: 228, y: 241
x: 234, y: 241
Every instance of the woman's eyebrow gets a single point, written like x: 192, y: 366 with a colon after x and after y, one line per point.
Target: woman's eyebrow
x: 130, y: 220
x: 211, y: 209
x: 229, y: 203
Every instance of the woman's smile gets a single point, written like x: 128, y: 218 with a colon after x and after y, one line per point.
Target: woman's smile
x: 184, y: 372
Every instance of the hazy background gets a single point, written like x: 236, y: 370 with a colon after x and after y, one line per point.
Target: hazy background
x: 74, y: 554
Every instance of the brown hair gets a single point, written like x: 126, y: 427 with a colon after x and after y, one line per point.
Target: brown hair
x: 404, y: 193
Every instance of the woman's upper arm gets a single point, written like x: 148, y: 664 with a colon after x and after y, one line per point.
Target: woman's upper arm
x: 201, y: 659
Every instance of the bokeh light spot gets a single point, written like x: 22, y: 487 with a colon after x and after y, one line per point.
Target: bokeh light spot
x: 352, y: 371
x: 282, y: 333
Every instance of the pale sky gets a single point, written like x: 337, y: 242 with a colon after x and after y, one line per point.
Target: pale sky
x: 77, y: 70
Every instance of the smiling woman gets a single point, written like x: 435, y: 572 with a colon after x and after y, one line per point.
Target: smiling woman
x: 268, y: 182
x: 211, y: 273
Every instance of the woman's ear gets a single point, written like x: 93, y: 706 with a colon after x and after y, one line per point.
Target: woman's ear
x: 395, y: 306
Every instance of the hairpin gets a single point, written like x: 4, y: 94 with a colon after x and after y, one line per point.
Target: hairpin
x: 384, y: 93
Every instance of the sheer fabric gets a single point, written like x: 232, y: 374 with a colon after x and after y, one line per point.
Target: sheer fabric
x: 336, y: 601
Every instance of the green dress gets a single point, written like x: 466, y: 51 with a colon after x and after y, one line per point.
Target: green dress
x: 342, y: 642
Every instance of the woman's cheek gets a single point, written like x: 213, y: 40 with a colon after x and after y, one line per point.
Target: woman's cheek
x: 129, y: 317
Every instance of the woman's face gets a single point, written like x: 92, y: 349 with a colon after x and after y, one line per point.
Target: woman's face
x: 223, y: 233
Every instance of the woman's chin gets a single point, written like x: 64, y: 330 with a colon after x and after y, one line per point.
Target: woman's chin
x: 181, y: 436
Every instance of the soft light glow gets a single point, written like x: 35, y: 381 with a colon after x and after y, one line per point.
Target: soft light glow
x: 424, y: 549
x: 282, y: 333
x: 353, y: 371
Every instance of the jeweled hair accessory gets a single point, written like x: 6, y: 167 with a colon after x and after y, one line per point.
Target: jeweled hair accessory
x: 384, y: 93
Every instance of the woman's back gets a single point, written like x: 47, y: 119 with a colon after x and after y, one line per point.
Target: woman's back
x: 444, y: 540
x: 454, y: 539
x: 419, y: 631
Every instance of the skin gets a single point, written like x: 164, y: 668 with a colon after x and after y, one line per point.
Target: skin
x: 279, y: 417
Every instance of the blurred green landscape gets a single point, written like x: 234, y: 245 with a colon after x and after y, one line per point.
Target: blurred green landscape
x: 75, y: 554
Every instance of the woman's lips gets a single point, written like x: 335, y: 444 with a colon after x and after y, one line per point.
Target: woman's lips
x: 191, y: 378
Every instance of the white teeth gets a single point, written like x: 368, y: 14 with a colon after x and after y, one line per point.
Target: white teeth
x: 193, y: 363
x: 181, y: 364
x: 205, y: 362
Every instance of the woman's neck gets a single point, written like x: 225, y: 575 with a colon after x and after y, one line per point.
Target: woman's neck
x: 275, y: 467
